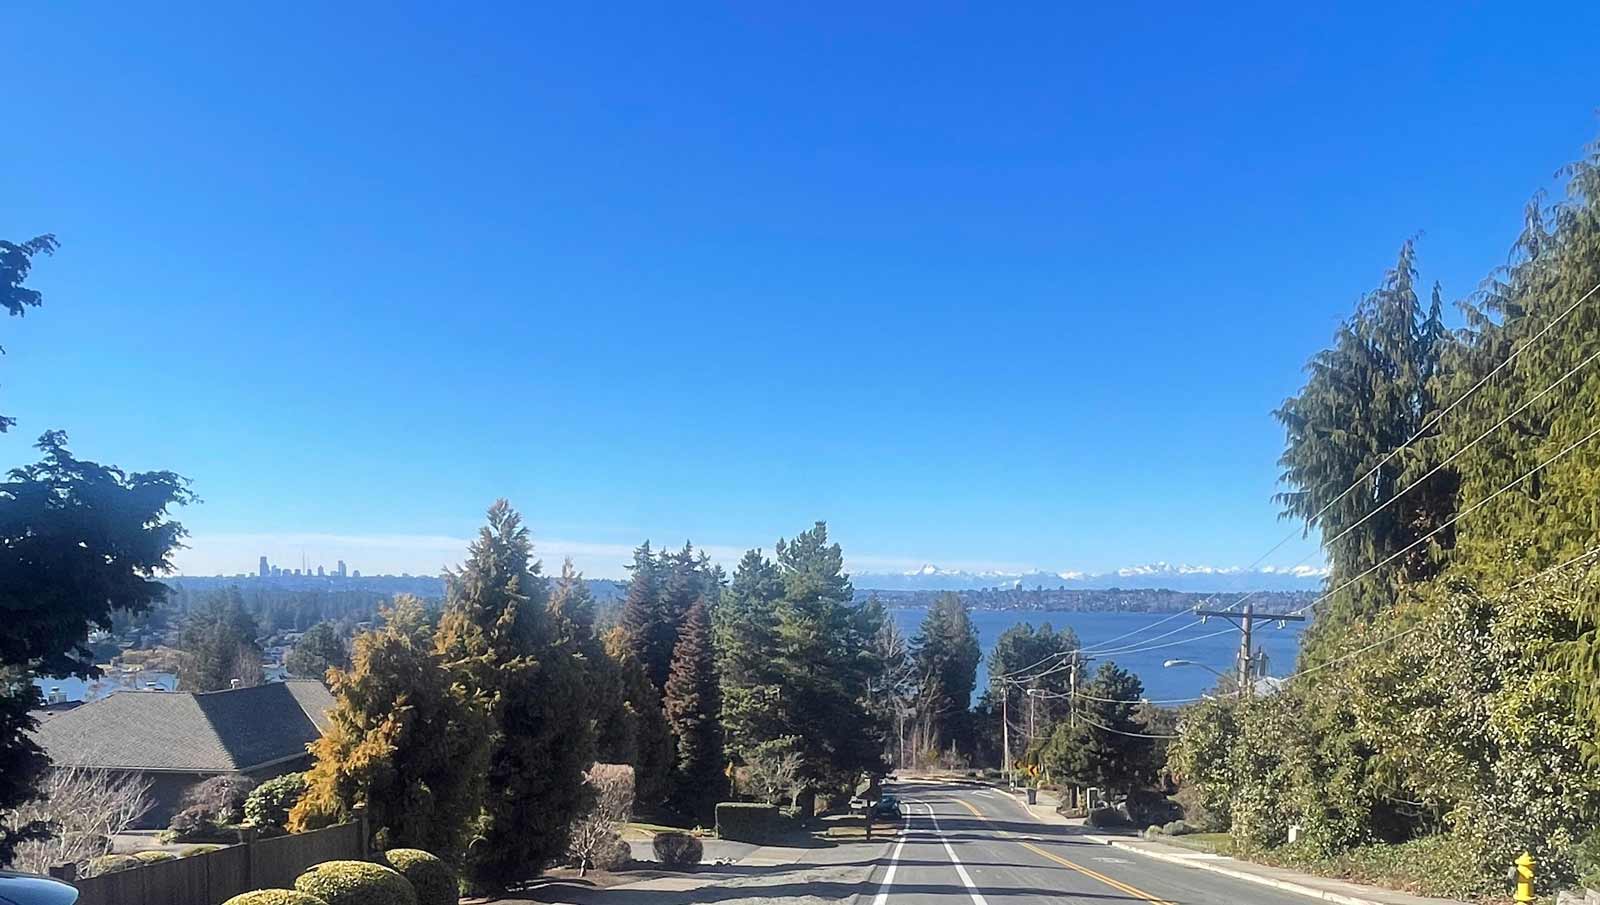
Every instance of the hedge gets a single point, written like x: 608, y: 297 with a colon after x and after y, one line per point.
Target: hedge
x: 110, y: 864
x: 274, y: 897
x: 356, y: 883
x: 154, y: 856
x: 433, y: 880
x: 749, y: 821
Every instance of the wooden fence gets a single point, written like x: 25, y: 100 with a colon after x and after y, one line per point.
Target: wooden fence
x: 215, y: 877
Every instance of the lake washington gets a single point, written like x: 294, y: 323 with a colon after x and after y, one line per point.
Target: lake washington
x: 1218, y: 651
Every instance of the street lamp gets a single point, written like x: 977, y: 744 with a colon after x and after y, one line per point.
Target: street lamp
x: 1171, y: 663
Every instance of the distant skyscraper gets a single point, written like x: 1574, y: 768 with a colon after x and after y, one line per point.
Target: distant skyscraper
x: 319, y: 572
x: 265, y: 569
x: 356, y: 574
x: 342, y: 572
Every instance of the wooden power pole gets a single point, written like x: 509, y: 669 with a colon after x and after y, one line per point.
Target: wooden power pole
x: 1246, y: 620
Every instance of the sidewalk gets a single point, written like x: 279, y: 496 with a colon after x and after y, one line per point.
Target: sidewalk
x: 1326, y: 888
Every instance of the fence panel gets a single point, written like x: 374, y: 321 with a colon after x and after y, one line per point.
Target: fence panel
x: 215, y: 877
x: 274, y: 863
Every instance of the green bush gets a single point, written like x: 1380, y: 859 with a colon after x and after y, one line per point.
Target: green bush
x: 613, y: 854
x: 193, y: 824
x: 356, y: 883
x: 274, y: 897
x: 1105, y: 818
x: 1178, y: 828
x: 153, y: 856
x: 110, y: 864
x: 433, y: 880
x: 673, y: 849
x: 269, y: 803
x: 204, y: 849
x: 749, y: 821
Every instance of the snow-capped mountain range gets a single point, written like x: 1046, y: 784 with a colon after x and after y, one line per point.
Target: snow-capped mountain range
x: 1203, y: 579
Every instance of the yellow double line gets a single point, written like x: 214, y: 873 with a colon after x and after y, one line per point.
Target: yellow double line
x: 1092, y: 874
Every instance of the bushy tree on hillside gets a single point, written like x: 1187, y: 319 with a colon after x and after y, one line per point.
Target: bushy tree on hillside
x: 499, y: 639
x: 745, y: 626
x: 662, y: 589
x: 692, y: 708
x: 319, y: 649
x: 406, y: 739
x: 219, y: 646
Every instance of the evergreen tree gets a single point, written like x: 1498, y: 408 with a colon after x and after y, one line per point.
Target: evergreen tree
x: 1040, y: 658
x: 947, y: 654
x: 405, y: 739
x: 692, y: 709
x: 644, y: 738
x: 219, y: 646
x: 497, y: 635
x: 746, y: 636
x: 1107, y: 746
x: 651, y: 634
x: 319, y: 649
x: 1366, y: 396
x: 822, y: 654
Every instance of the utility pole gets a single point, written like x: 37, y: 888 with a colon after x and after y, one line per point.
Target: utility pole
x: 1246, y: 620
x: 1005, y: 731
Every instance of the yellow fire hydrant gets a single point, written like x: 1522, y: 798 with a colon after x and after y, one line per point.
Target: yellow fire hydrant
x: 1524, y: 891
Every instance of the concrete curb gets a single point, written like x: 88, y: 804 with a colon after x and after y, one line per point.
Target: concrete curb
x: 1211, y: 864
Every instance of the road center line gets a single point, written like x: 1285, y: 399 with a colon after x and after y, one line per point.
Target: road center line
x: 972, y: 888
x: 894, y: 862
x: 1092, y: 874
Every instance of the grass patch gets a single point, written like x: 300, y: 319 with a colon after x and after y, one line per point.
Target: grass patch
x: 1430, y: 866
x: 1214, y: 843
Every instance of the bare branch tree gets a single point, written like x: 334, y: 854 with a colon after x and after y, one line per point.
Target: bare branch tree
x: 85, y: 807
x: 597, y: 836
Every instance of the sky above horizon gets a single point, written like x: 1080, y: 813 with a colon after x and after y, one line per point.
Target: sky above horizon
x: 995, y: 289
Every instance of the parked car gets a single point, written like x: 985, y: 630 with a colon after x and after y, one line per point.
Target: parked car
x: 32, y: 889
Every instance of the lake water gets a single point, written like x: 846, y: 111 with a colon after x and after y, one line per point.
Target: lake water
x: 1094, y: 629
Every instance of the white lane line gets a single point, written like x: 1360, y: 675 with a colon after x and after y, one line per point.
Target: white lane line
x: 894, y: 862
x: 972, y: 888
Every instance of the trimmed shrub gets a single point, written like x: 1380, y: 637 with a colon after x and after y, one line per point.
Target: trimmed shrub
x: 673, y: 849
x: 154, y: 857
x: 433, y: 880
x: 356, y: 883
x: 613, y: 854
x: 193, y: 850
x: 1178, y: 828
x: 192, y: 824
x: 1153, y: 832
x: 749, y: 821
x: 1105, y: 817
x: 274, y: 897
x: 268, y: 805
x: 110, y: 864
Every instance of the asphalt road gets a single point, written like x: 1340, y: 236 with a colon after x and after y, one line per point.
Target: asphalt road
x: 965, y: 845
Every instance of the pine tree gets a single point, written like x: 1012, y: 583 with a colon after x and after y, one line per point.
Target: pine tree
x: 1106, y: 746
x: 499, y: 638
x: 745, y: 626
x: 692, y: 709
x: 644, y: 739
x: 946, y: 655
x: 650, y: 633
x: 1367, y: 395
x: 405, y: 740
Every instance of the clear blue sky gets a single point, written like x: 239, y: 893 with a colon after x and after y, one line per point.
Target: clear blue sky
x: 979, y: 288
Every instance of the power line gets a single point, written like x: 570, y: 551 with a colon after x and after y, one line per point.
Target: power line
x: 1429, y: 422
x: 1122, y: 732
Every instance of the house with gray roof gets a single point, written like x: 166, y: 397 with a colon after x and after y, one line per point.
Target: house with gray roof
x: 178, y: 739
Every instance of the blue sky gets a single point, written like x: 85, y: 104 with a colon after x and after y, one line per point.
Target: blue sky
x: 980, y: 288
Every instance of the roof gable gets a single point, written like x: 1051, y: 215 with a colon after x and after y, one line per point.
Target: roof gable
x: 219, y: 731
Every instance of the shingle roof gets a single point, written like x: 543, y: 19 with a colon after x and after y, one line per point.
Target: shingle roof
x: 218, y: 731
